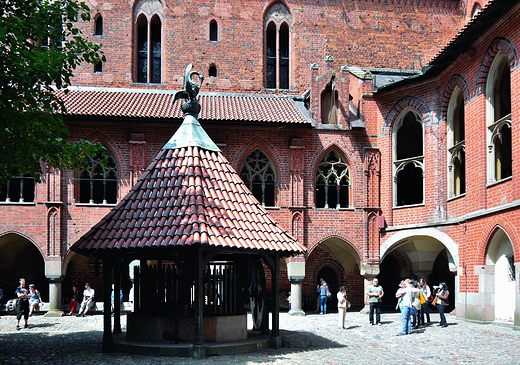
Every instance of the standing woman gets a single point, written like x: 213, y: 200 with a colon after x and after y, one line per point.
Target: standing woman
x: 425, y: 289
x: 342, y: 306
x: 442, y: 302
x: 34, y: 299
x: 322, y: 291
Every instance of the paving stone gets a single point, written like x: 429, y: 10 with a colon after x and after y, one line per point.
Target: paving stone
x: 71, y: 340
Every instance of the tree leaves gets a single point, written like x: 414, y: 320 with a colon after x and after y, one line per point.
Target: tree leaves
x: 41, y: 47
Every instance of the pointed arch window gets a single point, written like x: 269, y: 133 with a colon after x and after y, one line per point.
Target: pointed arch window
x: 213, y: 31
x: 498, y: 114
x: 258, y: 174
x: 408, y: 152
x: 98, y: 25
x: 98, y: 179
x: 332, y: 182
x: 456, y: 144
x: 278, y: 21
x: 149, y: 15
x: 19, y: 189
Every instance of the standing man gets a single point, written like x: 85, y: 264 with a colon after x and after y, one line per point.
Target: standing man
x: 375, y: 293
x: 88, y: 300
x: 22, y: 304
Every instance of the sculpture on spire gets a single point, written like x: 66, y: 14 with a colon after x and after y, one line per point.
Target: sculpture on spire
x: 190, y: 91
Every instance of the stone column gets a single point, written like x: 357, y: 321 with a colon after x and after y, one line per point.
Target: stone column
x: 55, y: 296
x: 296, y: 273
x: 55, y: 277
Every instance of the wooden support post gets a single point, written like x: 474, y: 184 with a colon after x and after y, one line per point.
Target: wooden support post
x: 108, y: 340
x: 117, y: 298
x: 199, y: 351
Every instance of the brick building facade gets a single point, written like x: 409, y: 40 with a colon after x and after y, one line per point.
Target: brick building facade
x: 376, y: 132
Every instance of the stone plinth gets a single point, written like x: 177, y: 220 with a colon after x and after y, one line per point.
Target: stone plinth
x: 154, y: 329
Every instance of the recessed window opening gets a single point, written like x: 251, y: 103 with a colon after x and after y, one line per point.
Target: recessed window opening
x: 148, y: 45
x: 499, y: 120
x: 98, y: 25
x: 213, y: 31
x: 98, y: 180
x: 332, y: 182
x: 456, y: 144
x: 277, y: 23
x: 258, y: 174
x: 271, y: 56
x: 329, y: 104
x: 284, y: 56
x: 408, y: 162
x: 98, y: 67
x: 212, y: 71
x: 18, y: 189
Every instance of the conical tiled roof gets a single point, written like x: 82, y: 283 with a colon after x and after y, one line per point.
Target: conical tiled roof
x: 188, y: 195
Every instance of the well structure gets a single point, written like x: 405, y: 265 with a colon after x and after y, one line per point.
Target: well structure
x: 202, y: 241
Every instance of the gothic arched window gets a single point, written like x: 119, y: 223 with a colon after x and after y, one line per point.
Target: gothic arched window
x: 277, y: 47
x: 98, y: 180
x: 332, y: 182
x: 258, y: 174
x: 408, y: 160
x: 148, y: 21
x: 498, y: 102
x: 456, y: 145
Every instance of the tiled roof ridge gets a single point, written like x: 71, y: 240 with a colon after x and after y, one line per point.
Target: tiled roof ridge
x: 188, y: 196
x: 215, y: 107
x: 104, y: 89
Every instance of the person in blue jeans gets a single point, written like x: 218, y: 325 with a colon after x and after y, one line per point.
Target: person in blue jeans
x: 404, y: 294
x: 323, y: 290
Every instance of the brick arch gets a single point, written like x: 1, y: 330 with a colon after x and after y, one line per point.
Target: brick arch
x: 317, y: 158
x: 406, y: 102
x: 339, y: 236
x: 400, y: 258
x: 499, y: 44
x: 19, y: 231
x: 334, y: 265
x: 454, y: 81
x: 253, y: 143
x: 492, y: 228
x: 110, y: 145
x: 272, y: 3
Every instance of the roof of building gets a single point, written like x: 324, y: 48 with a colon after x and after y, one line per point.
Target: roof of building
x: 188, y: 195
x: 159, y: 104
x: 462, y: 42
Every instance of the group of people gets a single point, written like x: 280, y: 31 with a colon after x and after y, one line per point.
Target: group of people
x: 87, y: 300
x: 28, y: 300
x: 414, y: 298
x: 413, y: 301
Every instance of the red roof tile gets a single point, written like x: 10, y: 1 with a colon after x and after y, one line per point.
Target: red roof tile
x: 159, y: 104
x: 211, y: 208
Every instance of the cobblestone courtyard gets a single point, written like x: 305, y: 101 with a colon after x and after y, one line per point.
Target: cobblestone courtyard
x: 71, y: 340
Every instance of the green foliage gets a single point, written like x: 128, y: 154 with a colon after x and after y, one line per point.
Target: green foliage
x: 41, y: 47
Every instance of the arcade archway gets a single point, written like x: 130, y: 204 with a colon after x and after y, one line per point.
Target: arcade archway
x: 21, y: 258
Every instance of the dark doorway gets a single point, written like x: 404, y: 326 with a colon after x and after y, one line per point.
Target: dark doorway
x: 330, y: 276
x: 442, y: 274
x: 389, y: 278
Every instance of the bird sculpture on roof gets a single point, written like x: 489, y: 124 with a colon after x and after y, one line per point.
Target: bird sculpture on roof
x: 191, y: 87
